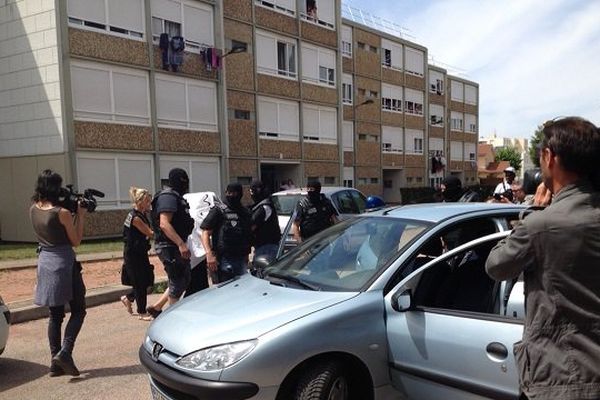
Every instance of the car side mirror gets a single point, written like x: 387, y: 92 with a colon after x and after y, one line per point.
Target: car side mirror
x: 261, y: 262
x: 402, y: 301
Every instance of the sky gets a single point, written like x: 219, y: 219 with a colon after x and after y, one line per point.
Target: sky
x: 533, y: 59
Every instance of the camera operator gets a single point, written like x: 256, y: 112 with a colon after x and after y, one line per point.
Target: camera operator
x: 504, y: 187
x: 558, y: 250
x: 59, y: 278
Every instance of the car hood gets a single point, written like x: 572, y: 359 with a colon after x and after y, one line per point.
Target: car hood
x: 243, y: 309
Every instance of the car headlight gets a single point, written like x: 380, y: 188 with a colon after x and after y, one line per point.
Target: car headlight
x: 218, y: 357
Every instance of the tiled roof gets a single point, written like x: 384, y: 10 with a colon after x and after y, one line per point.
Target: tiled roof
x: 495, y: 167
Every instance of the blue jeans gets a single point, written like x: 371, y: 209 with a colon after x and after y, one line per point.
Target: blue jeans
x: 230, y: 266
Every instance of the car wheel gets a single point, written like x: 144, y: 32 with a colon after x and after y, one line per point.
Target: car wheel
x: 323, y: 381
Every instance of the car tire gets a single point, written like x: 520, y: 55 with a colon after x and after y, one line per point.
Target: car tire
x: 323, y: 381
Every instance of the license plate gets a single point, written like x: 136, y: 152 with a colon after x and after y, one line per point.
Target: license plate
x: 157, y: 394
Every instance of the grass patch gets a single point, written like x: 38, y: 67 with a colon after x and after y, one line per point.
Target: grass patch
x: 21, y: 251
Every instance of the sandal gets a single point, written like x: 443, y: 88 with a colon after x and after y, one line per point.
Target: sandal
x: 153, y: 311
x: 145, y: 317
x: 127, y: 304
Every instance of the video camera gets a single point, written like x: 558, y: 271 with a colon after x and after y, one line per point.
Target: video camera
x: 531, y: 180
x: 69, y: 198
x: 508, y: 194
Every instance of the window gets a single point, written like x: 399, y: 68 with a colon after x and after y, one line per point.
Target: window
x: 278, y: 119
x: 186, y: 103
x: 392, y: 54
x: 282, y: 6
x: 241, y: 114
x: 470, y: 152
x: 276, y: 55
x: 456, y: 151
x: 191, y: 19
x: 318, y: 65
x: 456, y: 121
x: 244, y: 180
x: 436, y: 82
x: 392, y: 140
x: 119, y: 94
x: 203, y: 171
x: 414, y: 141
x: 347, y: 89
x: 471, y: 123
x: 456, y: 91
x: 348, y: 183
x: 373, y: 49
x: 414, y: 61
x: 113, y: 174
x: 374, y: 181
x: 237, y: 44
x: 346, y: 41
x: 413, y: 104
x: 348, y: 177
x: 436, y: 148
x: 320, y: 12
x: 361, y: 45
x: 368, y: 138
x: 121, y: 17
x: 436, y: 115
x: 391, y: 98
x: 470, y: 94
x: 348, y: 135
x: 329, y: 180
x: 319, y: 124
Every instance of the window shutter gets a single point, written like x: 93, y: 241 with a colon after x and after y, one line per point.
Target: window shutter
x: 414, y: 61
x: 267, y: 116
x: 346, y: 34
x: 310, y: 67
x: 326, y: 11
x: 87, y: 81
x: 413, y: 95
x: 98, y: 173
x: 470, y: 94
x: 328, y: 124
x: 266, y: 48
x: 131, y: 96
x: 457, y: 89
x: 310, y: 119
x: 133, y: 171
x: 198, y: 24
x: 126, y: 14
x: 348, y: 135
x: 202, y: 100
x: 393, y: 135
x: 289, y: 119
x: 436, y: 144
x: 89, y: 10
x: 170, y: 101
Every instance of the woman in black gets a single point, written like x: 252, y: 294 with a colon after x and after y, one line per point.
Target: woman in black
x: 59, y: 278
x: 137, y: 234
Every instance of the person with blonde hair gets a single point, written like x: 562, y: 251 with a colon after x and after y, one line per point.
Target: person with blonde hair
x: 136, y: 235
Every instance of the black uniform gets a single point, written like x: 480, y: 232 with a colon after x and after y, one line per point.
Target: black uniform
x: 264, y: 218
x: 135, y: 258
x: 314, y: 217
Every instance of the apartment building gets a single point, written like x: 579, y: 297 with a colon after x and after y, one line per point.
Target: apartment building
x: 102, y: 92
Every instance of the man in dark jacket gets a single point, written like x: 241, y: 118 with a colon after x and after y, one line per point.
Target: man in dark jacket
x: 265, y: 225
x: 558, y: 250
x: 226, y: 234
x: 452, y: 191
x: 313, y: 213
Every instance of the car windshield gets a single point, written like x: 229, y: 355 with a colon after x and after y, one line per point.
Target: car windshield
x: 346, y: 256
x: 285, y: 204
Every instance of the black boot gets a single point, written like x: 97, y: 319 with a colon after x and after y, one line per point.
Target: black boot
x: 65, y: 361
x: 55, y: 369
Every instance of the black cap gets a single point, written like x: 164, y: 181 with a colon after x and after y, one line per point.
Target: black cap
x: 234, y: 187
x: 315, y: 184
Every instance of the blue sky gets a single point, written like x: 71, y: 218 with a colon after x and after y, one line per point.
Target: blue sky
x: 533, y: 59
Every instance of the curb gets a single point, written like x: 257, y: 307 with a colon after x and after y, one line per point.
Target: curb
x: 23, y: 311
x: 15, y: 265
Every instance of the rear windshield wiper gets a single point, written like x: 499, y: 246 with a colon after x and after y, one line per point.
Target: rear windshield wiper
x: 293, y: 279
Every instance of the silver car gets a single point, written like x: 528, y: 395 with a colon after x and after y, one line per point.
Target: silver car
x: 389, y: 305
x: 4, y: 324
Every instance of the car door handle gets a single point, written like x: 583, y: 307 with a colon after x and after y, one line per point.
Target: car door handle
x: 497, y: 350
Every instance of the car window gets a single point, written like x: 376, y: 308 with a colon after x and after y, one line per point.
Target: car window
x: 347, y: 255
x: 344, y: 202
x: 285, y: 204
x: 359, y: 199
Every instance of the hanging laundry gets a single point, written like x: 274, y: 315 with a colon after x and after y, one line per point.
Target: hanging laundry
x: 177, y: 47
x: 208, y: 58
x: 163, y: 44
x: 214, y: 63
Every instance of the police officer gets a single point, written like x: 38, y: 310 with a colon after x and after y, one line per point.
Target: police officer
x: 314, y: 213
x: 228, y: 224
x: 265, y: 225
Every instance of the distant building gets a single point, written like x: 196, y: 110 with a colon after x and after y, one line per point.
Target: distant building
x: 520, y: 144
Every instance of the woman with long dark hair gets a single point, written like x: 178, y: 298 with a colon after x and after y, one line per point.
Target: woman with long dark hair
x: 59, y: 278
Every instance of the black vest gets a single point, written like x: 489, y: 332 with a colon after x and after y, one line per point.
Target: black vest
x: 135, y: 241
x: 234, y: 234
x: 267, y: 232
x: 315, y: 217
x: 182, y: 222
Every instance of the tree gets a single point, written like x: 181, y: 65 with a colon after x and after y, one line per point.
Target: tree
x: 534, y: 142
x: 511, y: 155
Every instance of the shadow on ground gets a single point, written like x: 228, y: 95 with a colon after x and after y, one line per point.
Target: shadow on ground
x: 14, y: 373
x: 106, y: 372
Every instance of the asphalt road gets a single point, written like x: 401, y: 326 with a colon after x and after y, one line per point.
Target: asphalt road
x: 105, y: 353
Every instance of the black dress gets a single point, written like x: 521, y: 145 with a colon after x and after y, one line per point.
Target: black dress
x: 135, y: 252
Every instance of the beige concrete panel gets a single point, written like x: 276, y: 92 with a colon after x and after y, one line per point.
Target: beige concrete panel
x: 436, y: 131
x: 392, y: 76
x: 240, y: 100
x: 187, y: 141
x: 240, y: 71
x: 367, y: 172
x: 368, y: 153
x: 347, y: 65
x: 99, y: 135
x: 241, y: 167
x: 104, y: 223
x: 312, y: 168
x: 279, y: 149
x: 392, y: 118
x: 348, y: 158
x: 367, y: 112
x: 470, y: 137
x: 414, y: 121
x: 242, y: 138
x: 367, y: 83
x: 392, y: 160
x: 239, y: 9
x: 371, y: 129
x: 367, y: 63
x: 318, y: 34
x: 348, y: 113
x: 279, y: 86
x: 366, y: 37
x: 315, y: 151
x: 470, y: 166
x: 457, y: 106
x: 471, y: 109
x: 437, y: 98
x: 368, y: 190
x: 456, y: 165
x: 412, y: 160
x: 193, y: 65
x: 108, y: 47
x: 456, y: 136
x: 237, y: 31
x: 415, y: 82
x: 319, y: 94
x: 275, y: 21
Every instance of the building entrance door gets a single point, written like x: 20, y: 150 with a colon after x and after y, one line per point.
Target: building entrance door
x: 392, y: 181
x: 275, y: 175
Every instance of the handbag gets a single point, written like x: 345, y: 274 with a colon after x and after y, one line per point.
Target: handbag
x: 125, y: 280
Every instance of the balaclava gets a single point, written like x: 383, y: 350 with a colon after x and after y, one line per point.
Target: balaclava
x: 179, y: 181
x: 259, y: 191
x: 315, y: 195
x: 233, y: 195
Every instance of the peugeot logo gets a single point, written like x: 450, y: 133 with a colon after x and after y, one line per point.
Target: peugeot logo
x: 157, y: 348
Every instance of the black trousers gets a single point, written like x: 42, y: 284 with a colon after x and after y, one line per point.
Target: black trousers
x: 139, y: 294
x: 57, y: 315
x: 199, y: 279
